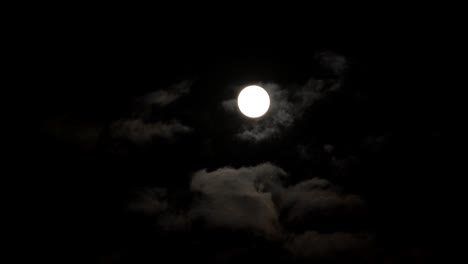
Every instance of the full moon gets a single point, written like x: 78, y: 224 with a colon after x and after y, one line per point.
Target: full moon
x: 253, y: 101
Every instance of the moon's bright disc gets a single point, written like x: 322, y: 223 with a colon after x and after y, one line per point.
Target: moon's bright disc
x: 253, y: 101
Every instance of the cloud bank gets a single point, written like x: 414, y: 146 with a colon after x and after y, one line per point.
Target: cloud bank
x: 256, y: 199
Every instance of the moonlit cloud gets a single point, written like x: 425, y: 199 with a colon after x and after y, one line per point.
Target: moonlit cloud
x: 290, y: 102
x: 257, y: 199
x: 168, y: 95
x: 287, y: 106
x: 239, y: 198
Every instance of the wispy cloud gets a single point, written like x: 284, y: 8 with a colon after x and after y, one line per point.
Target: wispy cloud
x: 140, y: 132
x: 168, y: 95
x: 290, y: 102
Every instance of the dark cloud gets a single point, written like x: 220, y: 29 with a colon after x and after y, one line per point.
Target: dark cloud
x: 80, y: 133
x: 315, y: 201
x: 140, y: 132
x: 333, y: 62
x: 154, y: 202
x: 303, y: 152
x: 169, y: 95
x: 332, y: 246
x: 343, y: 166
x: 329, y: 148
x: 150, y: 201
x: 174, y: 221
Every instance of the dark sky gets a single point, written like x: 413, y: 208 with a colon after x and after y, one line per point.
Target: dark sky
x: 138, y: 153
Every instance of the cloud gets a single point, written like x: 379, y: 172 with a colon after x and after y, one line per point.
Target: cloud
x: 333, y: 62
x: 140, y: 132
x: 155, y: 202
x: 256, y: 200
x: 174, y: 221
x: 228, y: 198
x: 230, y: 104
x: 239, y: 198
x: 313, y: 202
x: 304, y: 152
x: 86, y: 134
x: 168, y: 95
x: 338, y: 245
x: 257, y: 133
x: 329, y: 148
x: 150, y: 201
x: 343, y: 166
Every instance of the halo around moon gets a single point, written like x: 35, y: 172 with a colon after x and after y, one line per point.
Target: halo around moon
x: 253, y: 101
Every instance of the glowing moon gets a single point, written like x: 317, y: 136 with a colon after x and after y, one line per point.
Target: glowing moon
x: 253, y: 101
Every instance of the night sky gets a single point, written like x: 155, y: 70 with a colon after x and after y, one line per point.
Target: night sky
x: 138, y: 153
